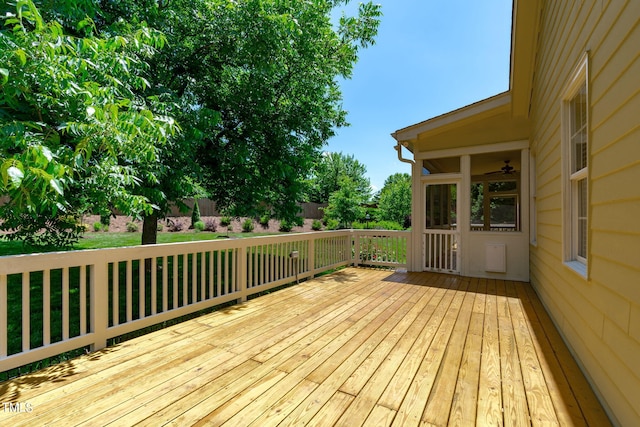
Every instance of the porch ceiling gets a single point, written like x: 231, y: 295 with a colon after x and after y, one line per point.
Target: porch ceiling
x: 349, y: 348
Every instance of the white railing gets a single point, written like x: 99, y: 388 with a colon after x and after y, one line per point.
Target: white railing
x: 380, y: 247
x: 58, y: 302
x: 440, y: 250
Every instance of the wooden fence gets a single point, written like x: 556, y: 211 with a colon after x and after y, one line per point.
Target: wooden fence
x: 208, y: 208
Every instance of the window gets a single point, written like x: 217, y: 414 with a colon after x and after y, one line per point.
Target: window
x: 441, y: 206
x: 575, y: 152
x: 443, y: 165
x: 495, y: 203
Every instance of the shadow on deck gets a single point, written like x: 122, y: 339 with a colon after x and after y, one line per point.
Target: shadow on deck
x: 357, y: 347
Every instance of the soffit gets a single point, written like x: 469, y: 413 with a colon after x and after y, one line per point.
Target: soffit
x: 524, y: 47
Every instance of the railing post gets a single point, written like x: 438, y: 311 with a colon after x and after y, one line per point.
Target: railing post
x: 355, y: 237
x: 409, y: 250
x: 99, y: 304
x: 3, y: 315
x: 311, y: 255
x: 241, y: 273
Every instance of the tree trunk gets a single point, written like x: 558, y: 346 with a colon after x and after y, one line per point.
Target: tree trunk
x: 150, y: 229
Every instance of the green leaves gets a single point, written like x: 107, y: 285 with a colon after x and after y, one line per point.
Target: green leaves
x: 395, y: 199
x: 330, y: 170
x: 57, y: 186
x: 75, y: 134
x: 269, y: 68
x: 4, y: 76
x: 12, y: 174
x: 102, y: 86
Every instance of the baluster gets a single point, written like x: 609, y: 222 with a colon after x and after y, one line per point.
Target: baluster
x: 203, y: 276
x: 129, y: 290
x: 174, y: 275
x: 26, y: 311
x: 154, y: 285
x: 3, y: 315
x: 194, y: 278
x: 142, y: 285
x: 165, y: 284
x: 115, y: 287
x: 65, y: 303
x: 83, y: 300
x: 46, y: 302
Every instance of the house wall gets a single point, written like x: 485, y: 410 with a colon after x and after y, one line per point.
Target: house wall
x: 599, y: 316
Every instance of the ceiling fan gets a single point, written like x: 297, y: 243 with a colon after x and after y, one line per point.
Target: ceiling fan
x: 507, y: 169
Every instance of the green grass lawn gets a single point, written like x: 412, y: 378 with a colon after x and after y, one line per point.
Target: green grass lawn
x: 118, y: 240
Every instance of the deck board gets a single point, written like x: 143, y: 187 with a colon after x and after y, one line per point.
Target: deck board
x: 357, y: 347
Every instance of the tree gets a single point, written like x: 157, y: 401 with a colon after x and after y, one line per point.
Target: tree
x: 253, y: 84
x: 330, y: 170
x: 74, y: 135
x: 256, y: 82
x: 395, y: 199
x: 345, y: 204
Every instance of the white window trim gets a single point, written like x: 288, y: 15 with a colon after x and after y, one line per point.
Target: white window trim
x: 533, y: 204
x: 570, y: 180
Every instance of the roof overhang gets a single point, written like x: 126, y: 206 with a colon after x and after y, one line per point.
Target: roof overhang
x: 524, y: 46
x: 486, y: 122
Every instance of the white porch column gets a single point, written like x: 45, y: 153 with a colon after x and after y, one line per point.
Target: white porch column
x: 464, y: 215
x: 417, y: 218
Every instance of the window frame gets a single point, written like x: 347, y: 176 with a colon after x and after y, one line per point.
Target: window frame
x: 533, y: 203
x: 572, y: 179
x: 487, y: 195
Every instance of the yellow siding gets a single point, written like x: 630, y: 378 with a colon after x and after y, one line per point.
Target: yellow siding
x: 598, y: 316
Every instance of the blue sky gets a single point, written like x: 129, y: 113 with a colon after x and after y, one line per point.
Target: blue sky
x: 430, y: 57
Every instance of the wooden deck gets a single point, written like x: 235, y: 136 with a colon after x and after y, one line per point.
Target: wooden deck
x: 358, y: 347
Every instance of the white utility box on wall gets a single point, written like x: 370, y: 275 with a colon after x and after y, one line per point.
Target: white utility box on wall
x: 495, y: 257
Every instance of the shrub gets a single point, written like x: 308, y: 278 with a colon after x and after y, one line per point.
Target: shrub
x: 298, y: 221
x: 378, y: 225
x: 105, y: 228
x: 132, y: 227
x: 332, y: 224
x: 264, y: 220
x: 84, y: 227
x: 199, y: 226
x: 210, y: 225
x: 247, y: 225
x: 285, y: 226
x: 105, y: 219
x: 316, y: 225
x: 195, y: 214
x: 225, y: 221
x: 159, y: 227
x: 175, y: 226
x: 97, y: 226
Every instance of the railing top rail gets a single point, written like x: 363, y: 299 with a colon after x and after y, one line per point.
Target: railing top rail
x: 375, y: 232
x: 34, y: 262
